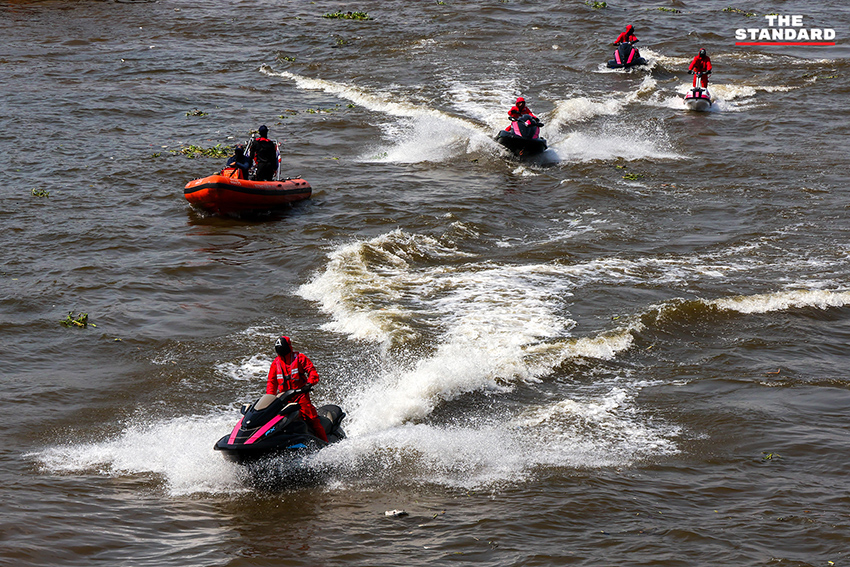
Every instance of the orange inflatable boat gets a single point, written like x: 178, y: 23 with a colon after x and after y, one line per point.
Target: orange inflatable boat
x: 229, y: 194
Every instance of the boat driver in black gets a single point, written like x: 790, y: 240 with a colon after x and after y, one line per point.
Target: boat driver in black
x: 263, y: 152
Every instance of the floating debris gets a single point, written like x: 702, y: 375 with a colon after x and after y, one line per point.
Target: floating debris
x: 347, y: 16
x: 739, y: 11
x: 396, y: 513
x: 81, y: 320
x: 193, y: 151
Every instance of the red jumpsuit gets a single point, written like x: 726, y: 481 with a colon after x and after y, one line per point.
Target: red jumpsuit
x: 627, y: 35
x: 294, y: 371
x: 700, y: 65
x: 522, y: 108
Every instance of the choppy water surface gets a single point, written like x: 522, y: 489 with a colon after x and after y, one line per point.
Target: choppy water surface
x: 631, y: 351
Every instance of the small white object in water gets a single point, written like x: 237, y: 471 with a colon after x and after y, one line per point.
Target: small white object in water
x: 395, y: 513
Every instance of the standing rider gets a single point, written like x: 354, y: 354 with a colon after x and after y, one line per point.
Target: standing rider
x: 292, y: 370
x: 700, y: 64
x: 263, y: 152
x: 627, y: 36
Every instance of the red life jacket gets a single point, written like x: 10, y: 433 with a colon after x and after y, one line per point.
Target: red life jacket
x: 289, y: 376
x: 700, y: 65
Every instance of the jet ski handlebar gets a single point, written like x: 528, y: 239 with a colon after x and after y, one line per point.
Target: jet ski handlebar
x: 305, y: 389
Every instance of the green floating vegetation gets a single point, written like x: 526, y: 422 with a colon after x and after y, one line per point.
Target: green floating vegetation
x: 633, y: 176
x: 192, y: 151
x: 40, y: 193
x: 197, y: 112
x: 324, y: 110
x: 286, y: 58
x: 347, y: 16
x: 81, y: 320
x: 739, y: 11
x: 766, y: 456
x: 596, y: 5
x: 671, y: 10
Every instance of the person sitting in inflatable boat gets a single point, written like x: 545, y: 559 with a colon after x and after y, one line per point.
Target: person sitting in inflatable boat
x: 238, y: 165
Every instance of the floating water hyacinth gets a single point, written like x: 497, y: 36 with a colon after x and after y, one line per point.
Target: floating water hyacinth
x: 739, y: 11
x: 81, y: 320
x: 347, y: 16
x: 193, y: 151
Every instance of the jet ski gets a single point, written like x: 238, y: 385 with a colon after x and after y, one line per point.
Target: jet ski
x: 522, y: 137
x: 698, y: 98
x: 272, y: 426
x: 625, y: 57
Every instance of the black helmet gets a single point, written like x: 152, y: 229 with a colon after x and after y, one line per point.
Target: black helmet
x: 263, y: 130
x: 239, y: 149
x: 702, y: 53
x: 282, y: 346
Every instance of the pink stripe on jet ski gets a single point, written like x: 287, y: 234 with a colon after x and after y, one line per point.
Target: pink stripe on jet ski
x: 235, y: 431
x: 263, y: 429
x: 617, y: 57
x: 631, y: 56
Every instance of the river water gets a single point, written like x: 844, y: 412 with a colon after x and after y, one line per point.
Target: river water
x: 631, y: 351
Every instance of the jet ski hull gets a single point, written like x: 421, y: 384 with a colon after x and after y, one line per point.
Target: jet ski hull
x: 519, y: 146
x: 612, y: 64
x: 625, y: 57
x: 280, y: 434
x: 698, y: 100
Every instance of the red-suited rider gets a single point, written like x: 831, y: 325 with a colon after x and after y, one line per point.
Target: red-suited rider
x: 627, y: 36
x: 292, y: 370
x: 700, y: 64
x: 521, y: 108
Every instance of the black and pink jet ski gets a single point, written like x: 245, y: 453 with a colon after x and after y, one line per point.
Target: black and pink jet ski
x: 698, y: 98
x: 522, y: 137
x: 625, y: 57
x: 272, y: 426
